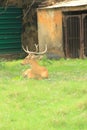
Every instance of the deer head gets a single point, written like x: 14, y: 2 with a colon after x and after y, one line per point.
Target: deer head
x: 32, y: 56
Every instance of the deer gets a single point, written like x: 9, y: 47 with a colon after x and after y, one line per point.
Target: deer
x: 37, y: 71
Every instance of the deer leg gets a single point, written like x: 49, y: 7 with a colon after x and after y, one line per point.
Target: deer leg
x: 44, y: 74
x: 30, y: 75
x: 26, y: 72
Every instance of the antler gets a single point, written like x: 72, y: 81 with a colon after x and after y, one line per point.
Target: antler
x: 36, y: 46
x: 37, y: 53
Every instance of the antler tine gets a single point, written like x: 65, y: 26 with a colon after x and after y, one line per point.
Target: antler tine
x: 30, y: 52
x: 27, y: 51
x: 24, y: 49
x: 36, y: 46
x: 43, y: 52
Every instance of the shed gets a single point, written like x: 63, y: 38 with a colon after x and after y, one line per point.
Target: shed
x: 63, y: 27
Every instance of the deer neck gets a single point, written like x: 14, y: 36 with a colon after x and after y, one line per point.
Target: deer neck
x: 34, y: 64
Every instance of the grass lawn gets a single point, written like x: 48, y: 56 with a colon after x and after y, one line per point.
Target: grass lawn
x: 56, y: 103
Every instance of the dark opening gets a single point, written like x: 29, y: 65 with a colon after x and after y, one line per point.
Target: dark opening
x: 85, y: 35
x: 75, y: 34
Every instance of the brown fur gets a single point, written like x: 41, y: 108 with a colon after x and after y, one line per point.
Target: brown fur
x: 36, y: 71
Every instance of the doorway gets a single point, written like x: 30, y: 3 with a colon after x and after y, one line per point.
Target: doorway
x: 75, y: 34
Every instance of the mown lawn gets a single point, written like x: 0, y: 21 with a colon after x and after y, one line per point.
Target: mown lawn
x: 57, y: 103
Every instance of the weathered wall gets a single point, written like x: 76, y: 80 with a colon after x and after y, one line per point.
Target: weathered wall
x: 50, y: 30
x: 30, y: 30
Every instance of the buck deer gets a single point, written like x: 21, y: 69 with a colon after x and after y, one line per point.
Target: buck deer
x: 37, y: 71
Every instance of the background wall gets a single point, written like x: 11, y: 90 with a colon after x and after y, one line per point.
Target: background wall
x: 50, y: 30
x: 30, y: 30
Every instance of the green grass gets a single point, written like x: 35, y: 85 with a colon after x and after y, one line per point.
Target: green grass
x: 56, y: 103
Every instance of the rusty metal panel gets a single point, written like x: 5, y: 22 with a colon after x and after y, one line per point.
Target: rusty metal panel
x: 50, y: 30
